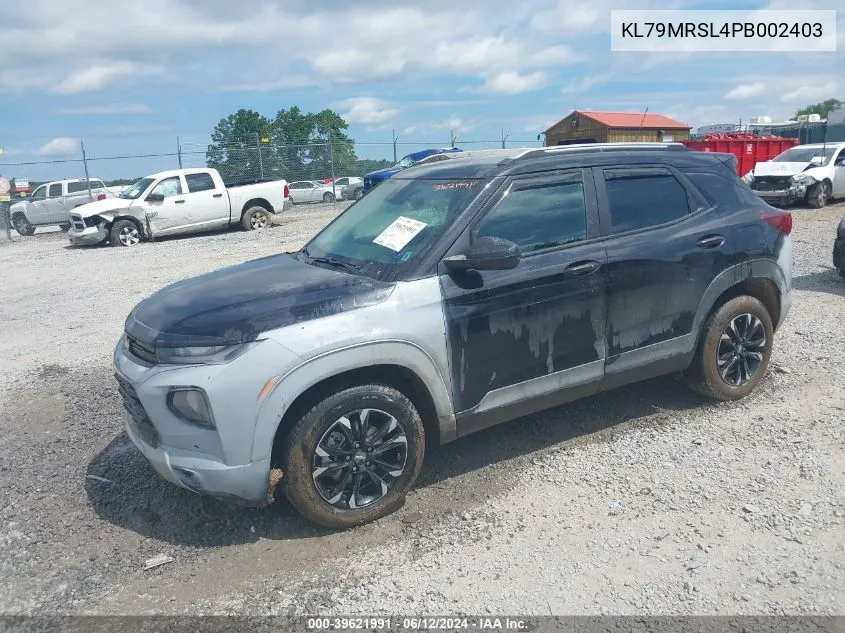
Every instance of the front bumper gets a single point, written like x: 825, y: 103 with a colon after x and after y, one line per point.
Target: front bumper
x: 90, y: 235
x: 794, y: 193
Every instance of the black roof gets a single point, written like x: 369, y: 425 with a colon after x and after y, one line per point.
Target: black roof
x: 490, y: 163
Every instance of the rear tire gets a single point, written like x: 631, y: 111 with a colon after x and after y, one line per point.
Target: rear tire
x: 256, y: 218
x: 327, y: 197
x: 359, y: 193
x: 353, y: 484
x: 734, y: 350
x: 22, y: 225
x: 819, y: 194
x: 124, y: 233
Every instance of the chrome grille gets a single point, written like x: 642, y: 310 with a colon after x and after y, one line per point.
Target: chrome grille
x: 139, y: 420
x: 141, y: 351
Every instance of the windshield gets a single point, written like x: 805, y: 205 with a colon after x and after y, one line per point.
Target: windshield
x: 134, y: 192
x: 389, y: 229
x: 805, y: 155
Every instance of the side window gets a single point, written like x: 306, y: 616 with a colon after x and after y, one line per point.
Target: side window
x: 199, y: 182
x: 840, y: 160
x: 721, y: 191
x: 341, y: 182
x: 539, y: 216
x: 97, y: 184
x: 55, y: 190
x: 641, y: 200
x: 169, y: 187
x: 40, y: 193
x: 82, y: 185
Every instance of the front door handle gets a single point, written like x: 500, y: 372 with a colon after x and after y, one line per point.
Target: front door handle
x: 178, y: 202
x: 711, y: 241
x: 217, y: 195
x: 581, y: 269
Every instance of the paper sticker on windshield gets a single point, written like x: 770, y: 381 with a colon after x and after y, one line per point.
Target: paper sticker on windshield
x: 401, y: 231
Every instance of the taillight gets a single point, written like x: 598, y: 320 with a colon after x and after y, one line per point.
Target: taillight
x: 101, y: 196
x: 781, y: 220
x: 287, y: 192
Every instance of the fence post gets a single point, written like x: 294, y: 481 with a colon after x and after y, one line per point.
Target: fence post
x: 7, y: 219
x: 331, y: 158
x: 260, y: 157
x: 179, y: 151
x: 87, y: 177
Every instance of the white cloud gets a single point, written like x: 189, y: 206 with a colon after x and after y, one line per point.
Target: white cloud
x: 367, y: 110
x: 586, y: 82
x: 109, y: 108
x: 747, y: 91
x: 99, y: 77
x: 810, y: 93
x: 61, y: 146
x: 510, y: 82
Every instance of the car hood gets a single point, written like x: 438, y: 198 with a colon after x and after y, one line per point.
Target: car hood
x: 236, y: 304
x: 383, y: 174
x: 773, y: 168
x: 98, y: 207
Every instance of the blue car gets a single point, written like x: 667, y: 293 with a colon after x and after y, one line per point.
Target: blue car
x: 376, y: 177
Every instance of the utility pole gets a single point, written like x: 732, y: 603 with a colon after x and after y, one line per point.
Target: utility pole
x: 504, y: 138
x: 260, y: 158
x: 454, y: 137
x: 331, y: 158
x: 395, y: 138
x: 87, y: 178
x: 179, y: 151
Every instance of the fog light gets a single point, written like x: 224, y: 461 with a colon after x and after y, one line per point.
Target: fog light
x: 191, y: 405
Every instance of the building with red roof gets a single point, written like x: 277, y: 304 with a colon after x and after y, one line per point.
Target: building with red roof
x: 585, y: 126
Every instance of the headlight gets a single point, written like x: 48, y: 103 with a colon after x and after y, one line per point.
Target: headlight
x: 204, y: 355
x: 803, y: 179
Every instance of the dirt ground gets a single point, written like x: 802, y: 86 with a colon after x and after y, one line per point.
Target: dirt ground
x: 645, y: 500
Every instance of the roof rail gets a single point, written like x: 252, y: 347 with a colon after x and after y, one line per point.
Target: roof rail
x: 603, y: 147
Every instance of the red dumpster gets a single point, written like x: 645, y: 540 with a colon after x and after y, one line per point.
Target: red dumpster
x: 748, y: 148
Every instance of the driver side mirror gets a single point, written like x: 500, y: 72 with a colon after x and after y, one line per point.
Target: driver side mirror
x: 486, y: 253
x: 155, y: 197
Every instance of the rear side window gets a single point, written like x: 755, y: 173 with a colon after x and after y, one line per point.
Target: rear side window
x: 539, y: 216
x: 199, y: 182
x: 723, y: 192
x: 82, y: 185
x: 638, y: 201
x: 55, y: 190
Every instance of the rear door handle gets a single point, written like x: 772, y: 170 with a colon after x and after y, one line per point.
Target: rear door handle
x: 178, y: 202
x: 581, y: 269
x: 217, y: 195
x: 711, y: 241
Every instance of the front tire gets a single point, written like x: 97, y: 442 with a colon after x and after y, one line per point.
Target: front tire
x: 819, y: 194
x: 22, y: 225
x: 256, y: 218
x: 124, y: 233
x: 734, y: 352
x: 353, y: 457
x: 327, y: 197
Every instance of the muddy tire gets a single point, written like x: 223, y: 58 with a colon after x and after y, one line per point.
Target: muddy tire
x: 352, y: 458
x: 819, y: 194
x: 22, y: 225
x: 256, y: 218
x: 327, y: 197
x: 734, y: 350
x: 124, y: 233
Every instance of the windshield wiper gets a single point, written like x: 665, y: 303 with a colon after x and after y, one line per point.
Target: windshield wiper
x: 331, y: 261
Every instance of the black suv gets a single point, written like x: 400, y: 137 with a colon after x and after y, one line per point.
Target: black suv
x: 454, y: 296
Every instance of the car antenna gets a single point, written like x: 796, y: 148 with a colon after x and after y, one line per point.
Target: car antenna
x: 642, y: 121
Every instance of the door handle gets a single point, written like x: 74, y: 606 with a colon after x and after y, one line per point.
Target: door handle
x: 581, y: 269
x: 178, y: 202
x: 711, y: 241
x: 217, y: 195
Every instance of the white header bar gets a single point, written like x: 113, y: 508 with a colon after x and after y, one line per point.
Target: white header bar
x: 666, y: 30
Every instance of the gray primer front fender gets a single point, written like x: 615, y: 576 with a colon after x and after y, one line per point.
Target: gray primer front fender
x: 361, y: 355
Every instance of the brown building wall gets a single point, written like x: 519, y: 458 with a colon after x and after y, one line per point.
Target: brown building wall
x: 589, y: 130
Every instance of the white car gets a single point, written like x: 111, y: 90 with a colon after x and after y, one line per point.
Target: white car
x: 811, y: 173
x: 50, y: 203
x: 177, y: 202
x: 303, y: 191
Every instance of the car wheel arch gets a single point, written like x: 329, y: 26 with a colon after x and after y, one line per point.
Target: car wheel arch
x: 256, y: 202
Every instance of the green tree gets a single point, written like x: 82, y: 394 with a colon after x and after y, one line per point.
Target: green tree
x: 820, y: 108
x: 234, y: 149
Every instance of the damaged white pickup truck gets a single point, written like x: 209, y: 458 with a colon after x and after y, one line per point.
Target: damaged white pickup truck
x: 177, y: 202
x: 807, y: 173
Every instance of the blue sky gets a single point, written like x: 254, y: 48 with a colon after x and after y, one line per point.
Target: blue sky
x: 129, y: 79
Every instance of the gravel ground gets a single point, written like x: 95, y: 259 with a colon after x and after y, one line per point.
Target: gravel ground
x: 645, y: 500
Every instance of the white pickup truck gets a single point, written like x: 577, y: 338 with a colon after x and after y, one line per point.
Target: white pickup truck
x: 177, y: 202
x: 50, y: 204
